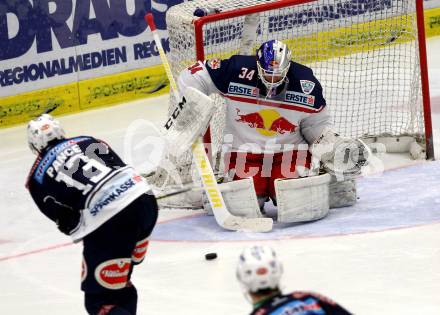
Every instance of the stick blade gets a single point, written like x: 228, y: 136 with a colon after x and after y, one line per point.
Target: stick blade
x: 256, y: 225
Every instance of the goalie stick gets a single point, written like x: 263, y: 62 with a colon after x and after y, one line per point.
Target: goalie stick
x: 183, y: 189
x: 222, y: 216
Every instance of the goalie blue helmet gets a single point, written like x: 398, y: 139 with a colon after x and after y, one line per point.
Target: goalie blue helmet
x: 273, y: 62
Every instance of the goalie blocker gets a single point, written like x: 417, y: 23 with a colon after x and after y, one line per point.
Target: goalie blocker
x: 188, y: 121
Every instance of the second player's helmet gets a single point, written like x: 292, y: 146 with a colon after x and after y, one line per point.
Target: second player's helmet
x: 259, y: 268
x: 42, y: 130
x: 273, y: 62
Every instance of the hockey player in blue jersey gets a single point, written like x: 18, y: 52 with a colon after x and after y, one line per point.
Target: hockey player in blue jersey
x: 83, y: 186
x: 276, y: 120
x: 259, y: 272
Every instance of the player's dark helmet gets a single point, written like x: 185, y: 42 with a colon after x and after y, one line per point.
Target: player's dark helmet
x: 273, y: 62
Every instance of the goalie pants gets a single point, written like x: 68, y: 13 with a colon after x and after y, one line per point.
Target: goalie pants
x: 265, y: 168
x: 109, y: 255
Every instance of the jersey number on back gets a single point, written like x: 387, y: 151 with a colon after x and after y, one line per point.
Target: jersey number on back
x: 92, y: 170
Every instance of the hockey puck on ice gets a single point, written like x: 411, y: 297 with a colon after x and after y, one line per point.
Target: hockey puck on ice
x: 210, y: 256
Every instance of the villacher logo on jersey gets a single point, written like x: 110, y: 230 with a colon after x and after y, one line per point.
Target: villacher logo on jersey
x: 113, y: 274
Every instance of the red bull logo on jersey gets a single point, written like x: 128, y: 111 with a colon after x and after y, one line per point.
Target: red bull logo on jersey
x: 300, y: 98
x: 242, y: 89
x: 267, y: 122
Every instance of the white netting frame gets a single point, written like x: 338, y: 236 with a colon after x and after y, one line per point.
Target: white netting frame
x: 386, y: 33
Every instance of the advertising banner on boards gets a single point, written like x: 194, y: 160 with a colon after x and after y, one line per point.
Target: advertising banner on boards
x: 47, y: 43
x: 429, y: 4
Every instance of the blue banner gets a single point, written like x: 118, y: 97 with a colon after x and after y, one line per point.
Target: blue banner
x: 45, y: 21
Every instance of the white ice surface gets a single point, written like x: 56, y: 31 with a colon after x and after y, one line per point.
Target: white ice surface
x: 392, y: 271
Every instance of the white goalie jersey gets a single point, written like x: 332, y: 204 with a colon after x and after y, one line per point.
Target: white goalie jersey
x: 261, y: 121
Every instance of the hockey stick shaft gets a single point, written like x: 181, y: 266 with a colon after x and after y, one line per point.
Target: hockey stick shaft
x: 185, y: 189
x: 177, y: 192
x: 223, y: 217
x: 50, y: 108
x: 150, y: 21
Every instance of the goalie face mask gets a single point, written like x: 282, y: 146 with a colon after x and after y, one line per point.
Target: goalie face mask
x: 273, y: 62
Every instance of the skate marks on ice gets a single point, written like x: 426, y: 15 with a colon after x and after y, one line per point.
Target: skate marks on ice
x: 400, y: 198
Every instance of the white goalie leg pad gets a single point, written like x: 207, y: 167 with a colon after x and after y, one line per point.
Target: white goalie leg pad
x: 302, y: 199
x: 240, y: 198
x: 342, y: 193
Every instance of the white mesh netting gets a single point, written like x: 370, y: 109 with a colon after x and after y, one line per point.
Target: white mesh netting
x: 364, y: 52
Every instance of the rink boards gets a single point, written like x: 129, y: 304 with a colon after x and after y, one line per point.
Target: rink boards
x: 91, y: 89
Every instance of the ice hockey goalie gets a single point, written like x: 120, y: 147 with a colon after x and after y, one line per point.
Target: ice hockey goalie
x: 278, y: 140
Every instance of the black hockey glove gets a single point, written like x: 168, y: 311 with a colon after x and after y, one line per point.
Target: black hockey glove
x: 68, y: 221
x: 64, y: 216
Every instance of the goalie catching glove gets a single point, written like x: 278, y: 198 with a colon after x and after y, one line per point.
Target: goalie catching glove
x: 339, y: 155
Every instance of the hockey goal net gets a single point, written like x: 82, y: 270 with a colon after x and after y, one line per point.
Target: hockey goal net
x: 366, y: 54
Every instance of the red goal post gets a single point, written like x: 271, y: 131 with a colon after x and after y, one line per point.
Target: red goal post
x: 429, y: 140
